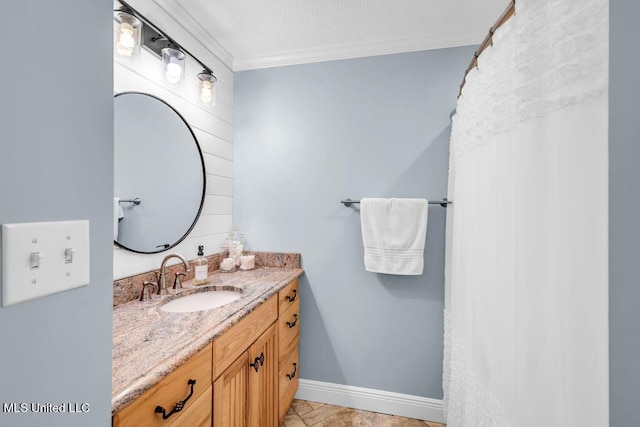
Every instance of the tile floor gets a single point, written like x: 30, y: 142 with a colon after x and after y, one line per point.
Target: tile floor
x: 305, y: 414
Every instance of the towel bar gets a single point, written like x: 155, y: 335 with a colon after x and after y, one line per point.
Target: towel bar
x: 443, y: 202
x: 135, y: 201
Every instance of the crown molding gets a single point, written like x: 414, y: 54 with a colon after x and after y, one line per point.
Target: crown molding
x: 356, y: 50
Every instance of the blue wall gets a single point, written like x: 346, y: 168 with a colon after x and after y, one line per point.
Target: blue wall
x: 56, y: 163
x: 308, y: 136
x: 624, y: 217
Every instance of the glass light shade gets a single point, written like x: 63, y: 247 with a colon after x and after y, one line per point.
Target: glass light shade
x: 207, y: 88
x: 173, y: 65
x: 128, y: 35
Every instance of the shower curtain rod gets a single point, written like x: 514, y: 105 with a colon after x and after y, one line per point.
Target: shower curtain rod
x: 488, y: 41
x: 443, y: 202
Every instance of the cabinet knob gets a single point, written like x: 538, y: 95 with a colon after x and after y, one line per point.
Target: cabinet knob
x: 178, y: 406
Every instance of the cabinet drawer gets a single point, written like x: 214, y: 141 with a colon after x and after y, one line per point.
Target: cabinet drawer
x: 289, y: 328
x: 288, y: 296
x: 199, y: 414
x: 169, y: 391
x: 288, y: 383
x: 231, y: 344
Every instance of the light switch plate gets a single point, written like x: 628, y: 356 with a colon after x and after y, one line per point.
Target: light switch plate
x: 43, y: 258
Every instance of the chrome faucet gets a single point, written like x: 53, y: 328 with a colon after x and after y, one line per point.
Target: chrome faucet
x: 162, y: 281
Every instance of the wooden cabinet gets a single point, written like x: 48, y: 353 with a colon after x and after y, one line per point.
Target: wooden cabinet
x: 246, y: 392
x: 172, y: 389
x: 268, y: 392
x: 289, y: 338
x: 246, y: 377
x: 263, y: 380
x: 230, y: 394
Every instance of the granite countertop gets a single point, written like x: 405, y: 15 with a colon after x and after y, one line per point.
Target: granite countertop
x: 148, y: 343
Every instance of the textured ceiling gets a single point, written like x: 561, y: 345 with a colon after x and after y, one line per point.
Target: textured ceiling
x: 261, y: 33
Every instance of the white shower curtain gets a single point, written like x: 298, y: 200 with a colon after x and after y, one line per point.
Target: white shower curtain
x: 526, y: 317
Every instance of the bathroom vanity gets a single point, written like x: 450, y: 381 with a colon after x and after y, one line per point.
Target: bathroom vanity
x: 235, y: 365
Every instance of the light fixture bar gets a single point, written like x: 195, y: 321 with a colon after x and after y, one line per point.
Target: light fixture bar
x: 154, y: 39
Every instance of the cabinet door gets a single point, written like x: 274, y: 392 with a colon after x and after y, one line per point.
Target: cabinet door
x: 263, y: 382
x: 230, y: 394
x: 288, y: 382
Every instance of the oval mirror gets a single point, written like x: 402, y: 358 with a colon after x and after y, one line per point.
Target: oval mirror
x: 159, y: 175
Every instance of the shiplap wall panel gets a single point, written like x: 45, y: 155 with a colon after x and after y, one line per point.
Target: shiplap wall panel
x: 213, y: 127
x: 219, y: 185
x: 217, y: 205
x: 212, y: 224
x: 218, y: 166
x: 213, y: 145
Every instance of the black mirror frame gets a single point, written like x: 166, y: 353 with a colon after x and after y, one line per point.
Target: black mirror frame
x: 204, y: 175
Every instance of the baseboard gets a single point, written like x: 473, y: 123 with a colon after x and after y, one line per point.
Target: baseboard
x: 367, y: 399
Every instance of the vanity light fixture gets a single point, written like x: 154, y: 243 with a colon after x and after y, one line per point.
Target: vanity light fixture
x: 131, y: 34
x: 173, y: 65
x: 207, y: 86
x: 127, y: 35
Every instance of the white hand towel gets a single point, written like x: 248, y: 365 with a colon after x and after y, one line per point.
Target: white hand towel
x: 393, y: 233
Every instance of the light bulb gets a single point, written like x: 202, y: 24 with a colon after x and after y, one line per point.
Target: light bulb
x: 207, y: 87
x: 126, y: 28
x: 173, y: 72
x: 126, y: 42
x: 173, y: 63
x: 128, y: 35
x: 206, y: 94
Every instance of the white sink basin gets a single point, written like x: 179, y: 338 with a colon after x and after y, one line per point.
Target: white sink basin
x: 200, y: 301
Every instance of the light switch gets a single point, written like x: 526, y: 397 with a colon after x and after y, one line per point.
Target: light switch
x: 34, y: 260
x: 43, y: 258
x: 68, y: 255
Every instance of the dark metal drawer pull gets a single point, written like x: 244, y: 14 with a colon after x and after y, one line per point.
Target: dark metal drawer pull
x: 293, y: 298
x: 295, y: 320
x: 293, y: 374
x: 178, y: 406
x: 257, y: 362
